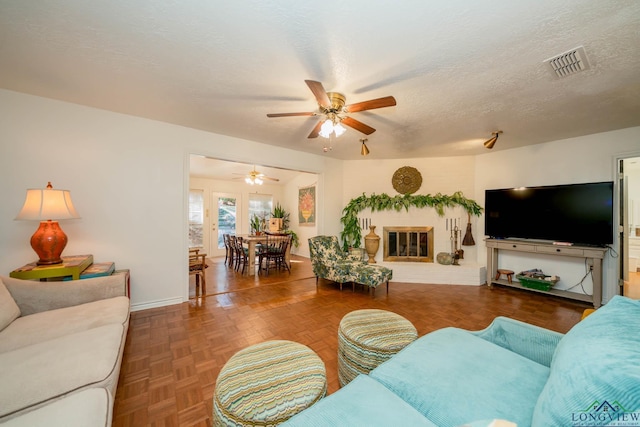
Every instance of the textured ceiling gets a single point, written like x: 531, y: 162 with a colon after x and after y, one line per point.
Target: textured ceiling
x: 459, y: 69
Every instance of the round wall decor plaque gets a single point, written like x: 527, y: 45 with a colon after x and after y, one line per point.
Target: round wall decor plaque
x: 406, y: 180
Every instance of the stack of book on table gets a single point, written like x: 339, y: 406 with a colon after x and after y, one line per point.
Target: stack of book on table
x: 72, y: 268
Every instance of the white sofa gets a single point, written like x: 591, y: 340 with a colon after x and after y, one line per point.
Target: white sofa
x: 61, y: 347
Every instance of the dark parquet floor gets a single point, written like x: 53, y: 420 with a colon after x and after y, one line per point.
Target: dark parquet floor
x: 173, y: 354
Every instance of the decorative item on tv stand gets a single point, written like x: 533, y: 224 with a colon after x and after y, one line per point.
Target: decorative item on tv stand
x: 372, y: 244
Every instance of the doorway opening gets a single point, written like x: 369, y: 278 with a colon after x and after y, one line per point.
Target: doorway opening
x: 629, y: 181
x: 227, y: 199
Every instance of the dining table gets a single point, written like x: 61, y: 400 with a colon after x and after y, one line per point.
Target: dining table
x: 252, y: 241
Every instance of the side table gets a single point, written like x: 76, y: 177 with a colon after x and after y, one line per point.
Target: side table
x: 73, y: 267
x: 70, y: 266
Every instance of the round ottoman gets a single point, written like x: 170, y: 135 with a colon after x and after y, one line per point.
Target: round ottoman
x: 366, y: 338
x: 267, y: 383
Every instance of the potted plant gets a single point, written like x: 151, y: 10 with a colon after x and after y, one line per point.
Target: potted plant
x: 294, y: 237
x: 280, y: 213
x: 280, y: 216
x: 256, y: 225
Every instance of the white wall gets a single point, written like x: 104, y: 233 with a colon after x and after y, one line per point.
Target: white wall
x: 589, y: 158
x: 129, y: 181
x: 585, y: 159
x: 444, y: 175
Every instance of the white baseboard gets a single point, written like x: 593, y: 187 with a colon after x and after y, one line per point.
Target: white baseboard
x: 467, y: 273
x: 156, y: 304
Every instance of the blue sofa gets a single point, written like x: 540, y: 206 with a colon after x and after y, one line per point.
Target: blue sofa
x: 509, y: 371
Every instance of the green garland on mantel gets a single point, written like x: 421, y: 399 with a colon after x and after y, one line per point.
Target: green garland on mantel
x: 351, y: 235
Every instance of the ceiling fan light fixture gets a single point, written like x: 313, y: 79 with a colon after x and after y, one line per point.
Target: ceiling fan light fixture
x: 338, y: 129
x: 255, y: 178
x: 492, y: 141
x: 331, y: 126
x: 326, y: 129
x: 333, y: 106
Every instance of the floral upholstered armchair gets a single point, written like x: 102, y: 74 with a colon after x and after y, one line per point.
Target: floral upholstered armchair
x: 330, y: 262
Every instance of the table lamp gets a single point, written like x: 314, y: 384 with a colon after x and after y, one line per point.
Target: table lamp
x: 47, y: 206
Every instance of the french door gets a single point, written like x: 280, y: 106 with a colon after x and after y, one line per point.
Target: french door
x: 225, y: 208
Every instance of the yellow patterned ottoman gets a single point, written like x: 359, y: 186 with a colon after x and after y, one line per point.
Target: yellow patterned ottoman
x: 366, y: 338
x: 267, y: 383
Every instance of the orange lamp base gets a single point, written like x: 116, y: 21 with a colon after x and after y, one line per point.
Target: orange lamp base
x: 48, y: 242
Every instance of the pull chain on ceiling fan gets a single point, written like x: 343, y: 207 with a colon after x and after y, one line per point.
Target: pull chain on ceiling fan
x: 335, y: 113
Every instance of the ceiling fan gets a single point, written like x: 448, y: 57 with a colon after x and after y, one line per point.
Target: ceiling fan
x: 255, y: 177
x: 332, y: 107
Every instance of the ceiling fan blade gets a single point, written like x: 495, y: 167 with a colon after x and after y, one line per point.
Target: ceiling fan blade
x: 269, y: 178
x: 289, y: 114
x: 357, y: 125
x: 387, y: 101
x: 319, y: 93
x: 316, y: 130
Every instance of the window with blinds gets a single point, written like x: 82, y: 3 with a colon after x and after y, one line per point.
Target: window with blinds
x: 260, y: 205
x: 196, y: 218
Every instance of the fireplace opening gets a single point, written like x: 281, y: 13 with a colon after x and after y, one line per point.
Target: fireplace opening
x: 414, y: 244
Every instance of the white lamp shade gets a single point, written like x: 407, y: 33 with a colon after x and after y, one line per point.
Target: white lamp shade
x: 47, y: 203
x: 326, y: 129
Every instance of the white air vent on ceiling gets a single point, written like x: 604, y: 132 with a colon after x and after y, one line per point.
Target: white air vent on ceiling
x: 571, y: 62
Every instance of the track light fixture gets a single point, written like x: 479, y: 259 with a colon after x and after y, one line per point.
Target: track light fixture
x: 492, y: 141
x: 364, y: 150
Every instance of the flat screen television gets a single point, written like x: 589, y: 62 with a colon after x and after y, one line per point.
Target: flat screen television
x: 574, y: 213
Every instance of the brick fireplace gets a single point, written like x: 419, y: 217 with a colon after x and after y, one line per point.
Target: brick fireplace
x: 410, y: 251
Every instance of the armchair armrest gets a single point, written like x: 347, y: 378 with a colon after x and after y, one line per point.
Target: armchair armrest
x: 533, y: 342
x: 355, y: 257
x: 34, y: 297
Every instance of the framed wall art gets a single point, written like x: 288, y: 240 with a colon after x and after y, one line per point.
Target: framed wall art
x: 307, y: 205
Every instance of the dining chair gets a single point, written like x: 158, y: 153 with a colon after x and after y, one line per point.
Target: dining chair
x: 197, y: 266
x: 229, y: 250
x: 274, y: 253
x: 241, y: 254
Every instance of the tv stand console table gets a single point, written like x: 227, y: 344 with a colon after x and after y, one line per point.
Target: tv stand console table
x: 593, y: 255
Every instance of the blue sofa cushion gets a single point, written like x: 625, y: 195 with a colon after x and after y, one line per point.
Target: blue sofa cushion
x: 452, y: 376
x: 362, y: 402
x: 595, y: 371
